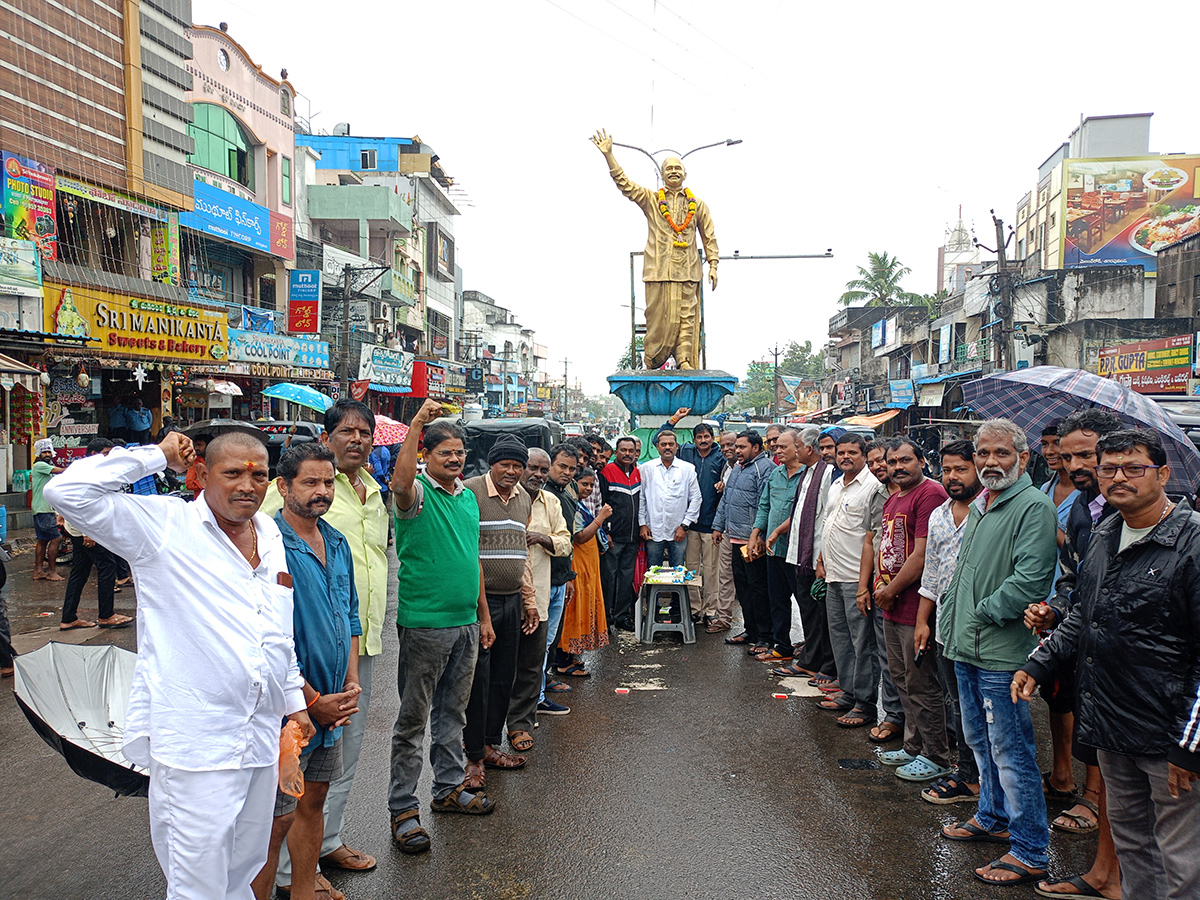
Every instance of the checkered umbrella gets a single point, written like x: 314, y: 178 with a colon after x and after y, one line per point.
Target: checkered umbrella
x: 1037, y: 396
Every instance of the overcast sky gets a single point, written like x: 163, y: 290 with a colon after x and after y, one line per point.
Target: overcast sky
x: 865, y: 126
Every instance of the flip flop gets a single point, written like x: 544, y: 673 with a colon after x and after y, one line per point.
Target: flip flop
x: 742, y: 638
x: 575, y: 670
x: 789, y: 671
x: 833, y: 706
x: 125, y: 622
x: 1076, y: 881
x: 894, y: 732
x: 845, y: 721
x: 976, y: 834
x: 1025, y: 875
x: 557, y: 687
x: 78, y: 623
x: 1083, y: 825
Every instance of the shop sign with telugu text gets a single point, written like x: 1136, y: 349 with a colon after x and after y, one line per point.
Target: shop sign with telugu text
x: 257, y: 347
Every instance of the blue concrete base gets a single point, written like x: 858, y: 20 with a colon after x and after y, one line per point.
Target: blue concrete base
x: 663, y: 391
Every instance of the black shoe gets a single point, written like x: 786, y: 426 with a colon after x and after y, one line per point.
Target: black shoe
x: 624, y: 624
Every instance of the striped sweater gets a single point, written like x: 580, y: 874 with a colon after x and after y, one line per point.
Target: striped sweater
x: 502, y: 549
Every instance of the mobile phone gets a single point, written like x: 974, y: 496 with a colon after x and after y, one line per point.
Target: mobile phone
x: 920, y: 655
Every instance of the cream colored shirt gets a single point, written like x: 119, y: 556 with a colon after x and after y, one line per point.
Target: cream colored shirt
x: 663, y: 260
x: 852, y: 508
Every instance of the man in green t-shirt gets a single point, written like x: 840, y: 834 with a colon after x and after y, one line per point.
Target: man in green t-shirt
x: 45, y: 522
x: 442, y: 618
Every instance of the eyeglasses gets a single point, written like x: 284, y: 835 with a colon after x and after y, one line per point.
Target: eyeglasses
x: 1130, y: 470
x: 446, y: 454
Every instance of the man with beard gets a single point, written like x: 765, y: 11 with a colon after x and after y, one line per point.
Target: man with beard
x: 357, y: 511
x: 1007, y: 558
x: 1131, y: 639
x: 547, y: 537
x: 925, y: 754
x: 620, y: 488
x: 947, y: 524
x: 503, y: 551
x: 892, y: 726
x: 1078, y: 435
x: 326, y: 628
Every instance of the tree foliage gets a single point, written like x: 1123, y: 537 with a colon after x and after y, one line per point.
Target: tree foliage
x: 757, y: 389
x: 627, y: 361
x: 879, y: 283
x: 802, y: 361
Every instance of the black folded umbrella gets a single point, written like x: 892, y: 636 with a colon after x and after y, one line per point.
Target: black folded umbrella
x: 75, y: 698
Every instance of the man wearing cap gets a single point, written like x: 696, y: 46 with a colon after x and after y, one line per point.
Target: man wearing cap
x: 504, y: 511
x: 45, y: 522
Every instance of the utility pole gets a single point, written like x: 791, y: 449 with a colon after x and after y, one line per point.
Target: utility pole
x: 566, y: 398
x: 775, y: 384
x: 1004, y: 306
x: 346, y: 271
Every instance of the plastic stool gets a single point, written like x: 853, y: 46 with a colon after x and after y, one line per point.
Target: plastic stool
x: 646, y: 616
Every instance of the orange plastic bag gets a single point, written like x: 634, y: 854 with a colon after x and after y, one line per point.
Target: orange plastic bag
x: 291, y: 742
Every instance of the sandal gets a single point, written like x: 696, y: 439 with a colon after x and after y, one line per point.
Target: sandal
x: 856, y: 718
x: 557, y: 687
x: 949, y: 790
x: 1082, y: 888
x: 413, y: 840
x: 1053, y: 793
x: 820, y: 680
x: 772, y: 656
x: 975, y: 834
x: 117, y: 621
x: 78, y: 623
x: 476, y: 777
x: 742, y: 638
x: 833, y: 705
x: 498, y: 759
x: 575, y: 670
x: 791, y: 671
x: 478, y: 805
x: 1084, y: 824
x: 921, y: 769
x: 521, y: 740
x: 885, y: 732
x: 1024, y: 874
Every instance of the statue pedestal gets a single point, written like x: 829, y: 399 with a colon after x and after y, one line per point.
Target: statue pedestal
x: 662, y: 391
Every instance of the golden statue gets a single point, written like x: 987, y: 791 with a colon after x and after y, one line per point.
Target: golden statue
x: 671, y: 267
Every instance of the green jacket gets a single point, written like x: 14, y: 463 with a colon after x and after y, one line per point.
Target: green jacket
x: 1007, y: 561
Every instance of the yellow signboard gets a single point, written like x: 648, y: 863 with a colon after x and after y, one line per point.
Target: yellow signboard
x: 136, y: 327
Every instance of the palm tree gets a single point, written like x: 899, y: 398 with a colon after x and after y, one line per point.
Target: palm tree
x: 879, y: 283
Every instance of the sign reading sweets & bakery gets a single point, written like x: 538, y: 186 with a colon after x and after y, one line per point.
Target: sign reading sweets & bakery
x: 136, y: 327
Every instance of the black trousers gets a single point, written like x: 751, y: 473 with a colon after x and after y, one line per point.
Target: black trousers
x: 817, y: 655
x: 750, y: 583
x: 781, y: 585
x: 82, y: 560
x: 616, y: 576
x: 495, y: 671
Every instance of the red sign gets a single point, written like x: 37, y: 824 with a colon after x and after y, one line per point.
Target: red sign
x: 358, y: 389
x: 303, y: 316
x: 428, y: 380
x: 283, y: 236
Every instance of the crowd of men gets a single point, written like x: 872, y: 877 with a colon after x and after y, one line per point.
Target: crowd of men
x: 931, y: 611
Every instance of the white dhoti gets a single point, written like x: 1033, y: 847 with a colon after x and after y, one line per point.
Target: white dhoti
x: 211, y: 829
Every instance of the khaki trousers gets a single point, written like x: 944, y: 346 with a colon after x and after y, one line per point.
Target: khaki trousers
x: 702, y: 559
x: 726, y: 598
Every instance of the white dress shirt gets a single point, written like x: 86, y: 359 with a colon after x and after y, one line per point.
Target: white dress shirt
x: 216, y: 670
x: 793, y: 553
x: 670, y: 497
x: 852, y: 508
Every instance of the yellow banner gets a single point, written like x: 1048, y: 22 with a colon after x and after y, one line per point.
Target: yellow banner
x: 136, y: 327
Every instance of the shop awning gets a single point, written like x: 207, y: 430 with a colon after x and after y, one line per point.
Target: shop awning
x: 811, y: 416
x: 14, y: 372
x: 389, y: 388
x: 897, y: 405
x: 872, y: 421
x: 947, y: 376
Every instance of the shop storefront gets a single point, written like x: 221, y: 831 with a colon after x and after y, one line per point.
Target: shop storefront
x: 141, y: 349
x: 385, y: 379
x: 257, y: 361
x: 428, y: 383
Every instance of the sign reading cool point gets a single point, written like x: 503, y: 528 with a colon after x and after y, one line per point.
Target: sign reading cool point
x: 133, y: 326
x: 257, y: 347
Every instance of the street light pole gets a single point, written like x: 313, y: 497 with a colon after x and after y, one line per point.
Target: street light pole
x: 728, y: 142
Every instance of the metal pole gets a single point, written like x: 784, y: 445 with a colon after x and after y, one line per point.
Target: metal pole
x: 346, y: 330
x: 633, y: 354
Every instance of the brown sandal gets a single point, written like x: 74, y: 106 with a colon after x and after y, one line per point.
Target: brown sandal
x: 884, y: 732
x: 521, y: 740
x: 476, y: 777
x: 479, y: 804
x: 413, y: 840
x: 498, y: 759
x: 1078, y: 822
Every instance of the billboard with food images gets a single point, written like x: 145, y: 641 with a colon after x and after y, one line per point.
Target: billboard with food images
x: 1123, y: 211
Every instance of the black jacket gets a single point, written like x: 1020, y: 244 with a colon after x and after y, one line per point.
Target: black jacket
x: 1133, y: 638
x: 623, y: 493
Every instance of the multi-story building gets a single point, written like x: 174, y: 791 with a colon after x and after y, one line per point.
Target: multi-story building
x: 507, y: 351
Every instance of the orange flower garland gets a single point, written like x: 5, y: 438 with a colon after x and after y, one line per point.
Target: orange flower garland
x: 666, y: 213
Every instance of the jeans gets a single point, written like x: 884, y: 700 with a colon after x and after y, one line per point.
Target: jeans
x: 558, y: 600
x: 434, y: 674
x: 530, y: 677
x: 920, y: 693
x: 853, y: 638
x: 781, y: 585
x: 674, y: 551
x: 82, y: 560
x: 750, y: 581
x: 495, y: 671
x: 339, y: 788
x: 1000, y: 733
x: 967, y: 770
x: 889, y: 695
x: 1155, y: 834
x: 616, y: 572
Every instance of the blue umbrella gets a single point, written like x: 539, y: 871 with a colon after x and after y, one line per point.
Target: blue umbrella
x: 301, y: 394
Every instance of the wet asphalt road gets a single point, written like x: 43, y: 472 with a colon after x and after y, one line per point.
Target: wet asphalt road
x: 703, y: 786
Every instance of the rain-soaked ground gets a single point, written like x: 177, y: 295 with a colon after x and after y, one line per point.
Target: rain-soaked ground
x: 697, y: 783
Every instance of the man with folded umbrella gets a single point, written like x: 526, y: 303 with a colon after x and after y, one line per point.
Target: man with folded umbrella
x: 216, y: 669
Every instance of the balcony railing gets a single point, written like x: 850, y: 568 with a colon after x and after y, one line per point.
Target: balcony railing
x: 976, y: 351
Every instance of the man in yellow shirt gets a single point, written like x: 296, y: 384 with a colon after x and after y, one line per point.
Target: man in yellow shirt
x: 358, y: 512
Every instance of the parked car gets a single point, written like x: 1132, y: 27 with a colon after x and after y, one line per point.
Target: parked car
x: 1184, y: 412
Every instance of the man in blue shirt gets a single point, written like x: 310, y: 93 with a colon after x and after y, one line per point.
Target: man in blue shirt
x: 140, y: 419
x: 327, y: 629
x: 704, y: 454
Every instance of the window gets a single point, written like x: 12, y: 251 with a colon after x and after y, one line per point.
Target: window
x: 286, y: 172
x: 285, y: 102
x: 222, y: 144
x: 367, y: 160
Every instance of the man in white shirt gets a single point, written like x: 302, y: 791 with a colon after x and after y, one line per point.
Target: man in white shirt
x: 216, y: 669
x: 853, y: 510
x: 670, y: 502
